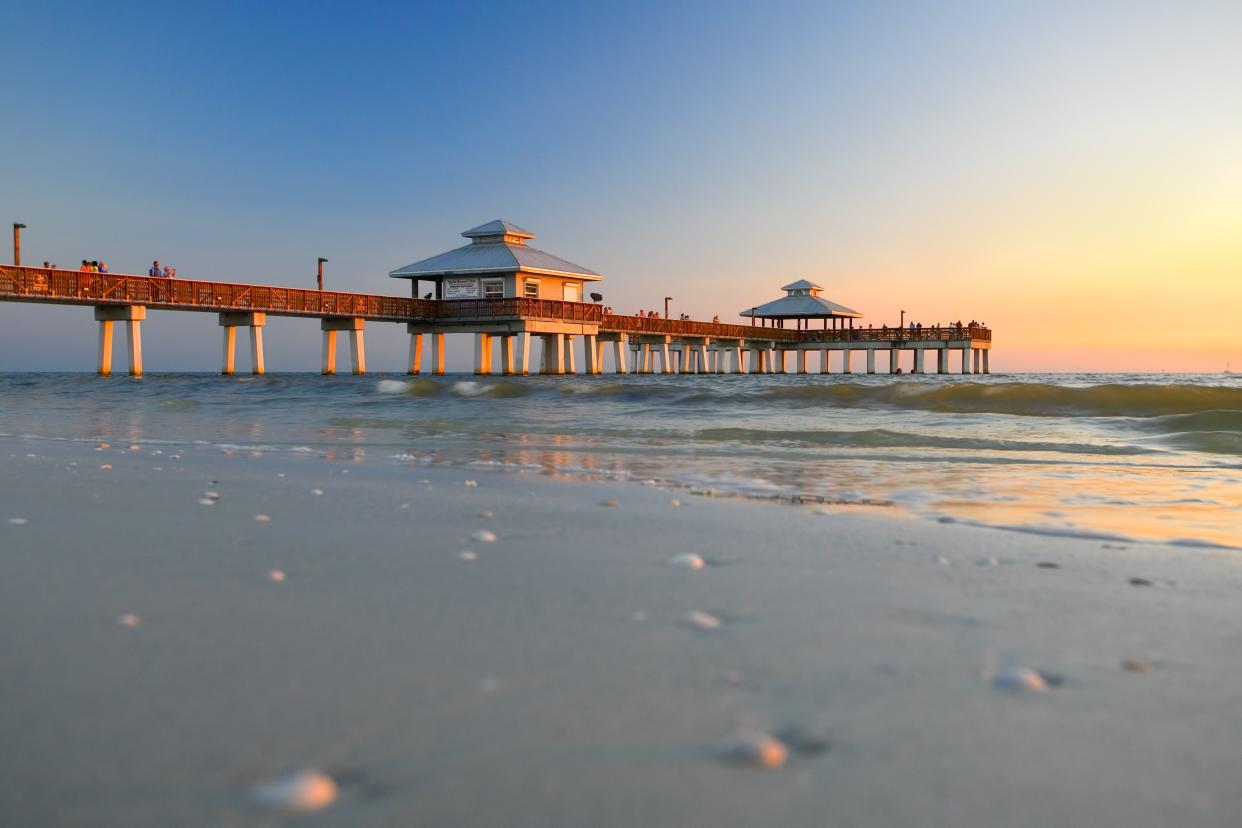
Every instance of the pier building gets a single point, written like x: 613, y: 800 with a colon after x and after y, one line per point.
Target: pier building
x: 503, y: 291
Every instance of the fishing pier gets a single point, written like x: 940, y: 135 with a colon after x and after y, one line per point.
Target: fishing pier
x: 506, y: 295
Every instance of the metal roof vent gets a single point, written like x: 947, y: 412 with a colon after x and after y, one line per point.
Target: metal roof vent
x: 498, y: 232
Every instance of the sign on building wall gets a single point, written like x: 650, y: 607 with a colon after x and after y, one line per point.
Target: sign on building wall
x: 461, y: 288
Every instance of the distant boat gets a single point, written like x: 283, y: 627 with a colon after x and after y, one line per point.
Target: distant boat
x: 1227, y: 371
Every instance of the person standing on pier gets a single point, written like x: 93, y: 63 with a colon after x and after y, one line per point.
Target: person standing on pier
x: 155, y: 269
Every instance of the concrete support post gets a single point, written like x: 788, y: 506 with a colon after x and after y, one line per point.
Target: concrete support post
x: 918, y: 361
x: 133, y: 343
x: 414, y: 364
x: 482, y: 354
x: 589, y: 354
x: 230, y: 321
x: 801, y: 361
x: 985, y: 353
x: 506, y: 356
x: 871, y: 360
x: 894, y: 360
x: 846, y: 356
x: 700, y: 358
x: 942, y: 361
x: 687, y: 359
x: 619, y: 349
x: 779, y: 358
x: 257, y: 366
x: 977, y: 359
x: 357, y: 344
x: 552, y: 358
x: 825, y: 365
x: 642, y: 359
x: 104, y: 362
x: 664, y: 361
x: 230, y: 349
x: 756, y: 360
x: 357, y: 351
x: 736, y: 353
x: 522, y: 356
x: 568, y: 361
x: 965, y: 360
x: 328, y: 363
x: 437, y: 354
x: 132, y: 316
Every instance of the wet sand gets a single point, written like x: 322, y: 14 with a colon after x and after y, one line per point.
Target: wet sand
x: 553, y: 679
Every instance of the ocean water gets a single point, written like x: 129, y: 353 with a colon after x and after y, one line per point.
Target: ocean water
x: 1124, y: 457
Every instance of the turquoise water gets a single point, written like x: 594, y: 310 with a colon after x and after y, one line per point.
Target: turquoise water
x: 1129, y: 457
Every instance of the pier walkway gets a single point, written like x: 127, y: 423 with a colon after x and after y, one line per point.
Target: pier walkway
x: 638, y: 343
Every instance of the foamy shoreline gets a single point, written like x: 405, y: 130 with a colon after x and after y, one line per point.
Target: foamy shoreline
x: 550, y: 679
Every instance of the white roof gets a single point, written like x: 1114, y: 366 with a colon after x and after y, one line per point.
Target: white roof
x: 494, y: 250
x: 802, y: 307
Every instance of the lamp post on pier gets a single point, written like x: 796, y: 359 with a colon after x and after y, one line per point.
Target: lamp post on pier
x: 321, y: 261
x: 17, y: 243
x: 667, y: 299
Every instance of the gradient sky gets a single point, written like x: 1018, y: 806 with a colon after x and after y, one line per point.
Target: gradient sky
x: 1070, y: 175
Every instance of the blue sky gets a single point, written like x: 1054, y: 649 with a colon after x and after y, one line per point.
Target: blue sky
x: 923, y: 155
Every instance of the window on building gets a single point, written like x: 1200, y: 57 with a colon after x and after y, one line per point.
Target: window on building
x: 493, y: 289
x: 531, y: 289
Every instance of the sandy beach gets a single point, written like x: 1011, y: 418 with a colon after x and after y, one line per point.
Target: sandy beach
x: 552, y: 677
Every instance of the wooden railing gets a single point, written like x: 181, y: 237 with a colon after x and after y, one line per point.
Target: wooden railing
x: 944, y: 333
x: 36, y: 284
x: 686, y: 327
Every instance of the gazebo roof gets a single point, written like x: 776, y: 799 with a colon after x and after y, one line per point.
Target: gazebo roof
x: 801, y: 302
x: 495, y: 247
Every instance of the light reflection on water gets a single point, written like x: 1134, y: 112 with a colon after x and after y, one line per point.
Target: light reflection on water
x: 1143, y: 457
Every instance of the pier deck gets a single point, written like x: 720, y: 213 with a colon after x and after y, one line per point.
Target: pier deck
x: 699, y: 347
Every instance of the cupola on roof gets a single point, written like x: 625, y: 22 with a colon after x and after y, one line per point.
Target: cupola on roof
x: 495, y: 247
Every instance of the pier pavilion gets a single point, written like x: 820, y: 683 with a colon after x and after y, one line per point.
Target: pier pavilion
x: 800, y: 304
x: 504, y: 290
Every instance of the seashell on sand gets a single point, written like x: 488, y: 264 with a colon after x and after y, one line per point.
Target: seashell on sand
x: 467, y: 555
x: 276, y: 575
x: 471, y: 484
x: 485, y: 514
x: 301, y: 791
x: 701, y: 620
x: 754, y: 748
x: 17, y: 521
x: 106, y: 467
x: 206, y: 501
x: 687, y: 560
x: 128, y: 620
x: 316, y: 492
x: 484, y: 536
x: 1136, y: 665
x: 609, y: 504
x: 674, y: 503
x: 1019, y: 680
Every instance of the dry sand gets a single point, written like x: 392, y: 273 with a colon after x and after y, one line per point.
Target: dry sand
x: 550, y: 679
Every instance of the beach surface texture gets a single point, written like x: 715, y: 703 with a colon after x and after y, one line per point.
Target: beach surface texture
x: 184, y: 629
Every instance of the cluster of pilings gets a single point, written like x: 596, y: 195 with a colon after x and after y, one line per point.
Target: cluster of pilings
x: 559, y: 347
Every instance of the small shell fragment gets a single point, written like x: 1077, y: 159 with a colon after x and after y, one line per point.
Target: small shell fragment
x: 609, y: 504
x: 755, y: 749
x: 687, y: 560
x: 1136, y: 665
x: 471, y: 484
x: 701, y: 620
x: 262, y: 519
x: 1019, y: 679
x: 206, y: 501
x: 17, y: 521
x: 674, y: 503
x: 484, y: 536
x: 316, y: 492
x: 276, y: 575
x: 467, y: 555
x: 485, y: 514
x: 128, y: 620
x: 301, y: 791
